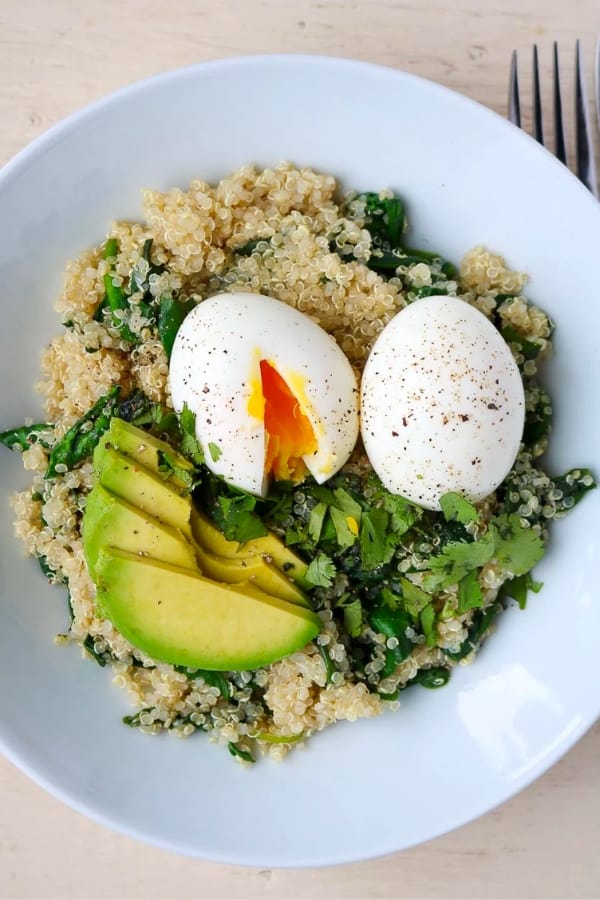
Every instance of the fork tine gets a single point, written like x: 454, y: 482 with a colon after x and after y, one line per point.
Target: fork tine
x: 538, y: 124
x: 514, y: 103
x: 598, y: 82
x: 559, y: 125
x: 586, y: 167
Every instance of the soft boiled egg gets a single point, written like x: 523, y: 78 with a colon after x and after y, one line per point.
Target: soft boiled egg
x: 443, y: 406
x: 274, y: 396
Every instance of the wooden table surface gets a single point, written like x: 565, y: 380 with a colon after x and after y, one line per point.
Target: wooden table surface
x: 58, y: 55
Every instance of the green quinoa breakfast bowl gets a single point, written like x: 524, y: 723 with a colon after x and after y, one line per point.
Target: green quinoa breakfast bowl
x: 300, y: 445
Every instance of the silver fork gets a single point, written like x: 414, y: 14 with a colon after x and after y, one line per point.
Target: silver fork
x: 584, y: 148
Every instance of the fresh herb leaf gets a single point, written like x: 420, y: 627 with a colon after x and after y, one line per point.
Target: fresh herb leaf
x: 237, y: 519
x: 538, y: 416
x: 294, y: 536
x: 330, y: 667
x: 111, y: 248
x: 433, y: 678
x: 376, y: 548
x: 99, y: 311
x: 344, y: 535
x: 384, y: 218
x: 190, y: 445
x: 214, y: 679
x: 250, y: 246
x: 51, y: 574
x: 161, y: 421
x: 518, y: 588
x: 25, y: 436
x: 428, y: 625
x: 393, y: 623
x: 451, y: 533
x: 167, y: 466
x: 101, y: 658
x: 470, y: 595
x: 529, y: 349
x: 321, y: 571
x: 115, y: 298
x: 415, y: 598
x: 80, y: 440
x: 280, y: 502
x: 315, y: 522
x: 352, y: 610
x: 574, y: 485
x: 347, y: 504
x: 140, y: 277
x: 412, y: 256
x: 517, y: 548
x: 454, y: 507
x: 238, y: 751
x: 134, y: 721
x: 403, y: 514
x: 322, y: 494
x: 390, y: 599
x: 384, y: 260
x: 428, y: 290
x: 215, y: 452
x: 455, y: 561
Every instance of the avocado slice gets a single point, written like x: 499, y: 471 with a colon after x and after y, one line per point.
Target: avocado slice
x: 146, y: 449
x: 254, y: 569
x: 269, y: 546
x: 181, y: 618
x: 141, y: 488
x: 110, y: 520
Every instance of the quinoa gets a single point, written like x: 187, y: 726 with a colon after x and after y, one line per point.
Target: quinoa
x: 281, y: 232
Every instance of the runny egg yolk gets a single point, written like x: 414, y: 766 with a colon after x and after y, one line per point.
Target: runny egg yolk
x: 290, y: 435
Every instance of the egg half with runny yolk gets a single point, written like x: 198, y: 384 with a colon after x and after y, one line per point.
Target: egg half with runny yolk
x: 443, y: 405
x: 273, y: 394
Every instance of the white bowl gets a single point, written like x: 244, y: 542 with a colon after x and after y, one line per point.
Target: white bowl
x: 447, y: 756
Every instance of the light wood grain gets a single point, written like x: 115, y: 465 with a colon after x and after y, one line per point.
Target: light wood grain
x: 58, y: 55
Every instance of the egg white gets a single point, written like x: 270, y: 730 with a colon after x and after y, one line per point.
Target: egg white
x: 442, y: 403
x: 215, y: 370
